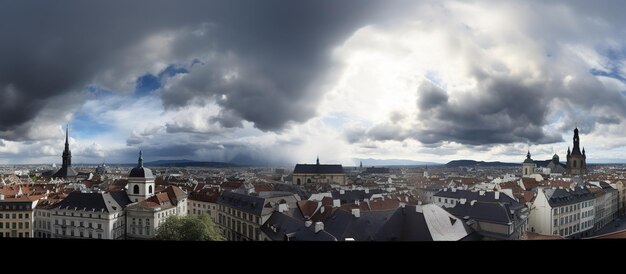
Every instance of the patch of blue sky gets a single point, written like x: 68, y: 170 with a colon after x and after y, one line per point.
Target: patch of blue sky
x: 147, y: 83
x: 335, y: 120
x: 613, y: 66
x: 436, y: 78
x: 98, y: 91
x: 87, y: 126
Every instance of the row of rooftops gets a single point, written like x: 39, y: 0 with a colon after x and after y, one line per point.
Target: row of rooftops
x: 408, y: 223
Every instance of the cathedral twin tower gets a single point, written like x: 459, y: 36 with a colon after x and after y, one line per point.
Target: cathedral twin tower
x: 576, y: 161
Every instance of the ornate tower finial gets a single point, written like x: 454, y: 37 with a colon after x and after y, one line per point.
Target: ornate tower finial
x: 318, y: 160
x: 140, y: 162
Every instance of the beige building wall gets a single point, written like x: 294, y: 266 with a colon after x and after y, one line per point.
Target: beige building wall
x: 17, y: 219
x: 303, y: 178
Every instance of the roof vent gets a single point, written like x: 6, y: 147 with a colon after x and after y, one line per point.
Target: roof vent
x: 308, y: 223
x: 472, y: 202
x: 319, y: 226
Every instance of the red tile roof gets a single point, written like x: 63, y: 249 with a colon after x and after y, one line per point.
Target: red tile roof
x: 307, y: 207
x: 386, y: 204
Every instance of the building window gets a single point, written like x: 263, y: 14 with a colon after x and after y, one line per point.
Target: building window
x: 136, y: 189
x: 556, y: 222
x: 298, y: 181
x: 20, y: 215
x: 99, y: 236
x: 308, y: 181
x: 99, y: 226
x: 20, y: 225
x: 27, y: 224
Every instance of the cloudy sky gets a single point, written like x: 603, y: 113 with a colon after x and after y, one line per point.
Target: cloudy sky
x: 283, y: 81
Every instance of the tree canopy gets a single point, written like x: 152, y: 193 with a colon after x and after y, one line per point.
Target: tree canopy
x: 189, y: 228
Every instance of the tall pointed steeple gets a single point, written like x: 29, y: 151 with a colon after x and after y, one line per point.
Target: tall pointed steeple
x: 67, y: 154
x: 66, y: 169
x: 140, y: 161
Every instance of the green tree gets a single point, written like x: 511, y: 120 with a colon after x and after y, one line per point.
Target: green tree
x: 189, y: 228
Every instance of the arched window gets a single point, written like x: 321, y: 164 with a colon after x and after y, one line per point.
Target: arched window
x: 574, y: 163
x: 298, y: 181
x: 308, y: 181
x: 150, y: 189
x: 136, y: 189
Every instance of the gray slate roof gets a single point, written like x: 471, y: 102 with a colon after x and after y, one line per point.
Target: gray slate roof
x: 343, y: 224
x: 560, y: 197
x: 255, y: 205
x: 318, y: 169
x: 483, y: 211
x: 350, y: 196
x: 488, y: 196
x: 285, y: 225
x: 141, y: 172
x: 116, y: 201
x: 405, y: 225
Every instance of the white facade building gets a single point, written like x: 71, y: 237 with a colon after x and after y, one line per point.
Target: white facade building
x: 90, y: 216
x: 562, y: 211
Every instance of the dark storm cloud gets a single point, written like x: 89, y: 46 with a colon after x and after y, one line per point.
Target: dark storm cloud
x: 505, y: 110
x: 55, y: 47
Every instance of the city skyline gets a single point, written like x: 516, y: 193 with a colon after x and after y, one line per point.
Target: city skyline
x: 429, y: 81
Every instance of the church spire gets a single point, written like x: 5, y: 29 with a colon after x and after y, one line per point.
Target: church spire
x: 318, y: 160
x: 67, y: 154
x: 140, y: 161
x: 67, y: 134
x: 528, y: 155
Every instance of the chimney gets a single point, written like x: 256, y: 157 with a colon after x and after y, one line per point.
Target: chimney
x: 453, y: 189
x: 322, y: 209
x: 282, y: 207
x: 481, y: 193
x: 356, y: 212
x: 472, y: 202
x: 497, y: 195
x: 1, y: 197
x: 308, y: 223
x: 462, y: 201
x: 367, y: 191
x: 319, y: 226
x: 336, y: 203
x: 418, y: 208
x: 341, y: 191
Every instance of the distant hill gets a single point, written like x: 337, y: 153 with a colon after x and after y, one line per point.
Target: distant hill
x: 391, y: 162
x: 472, y: 163
x: 186, y: 163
